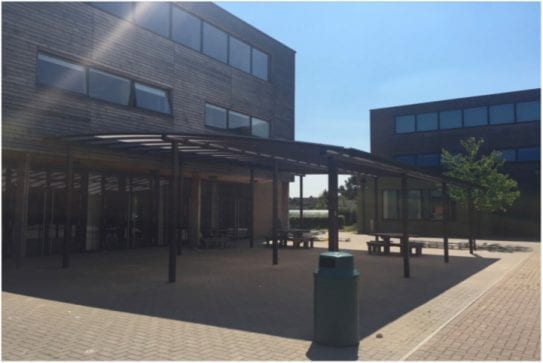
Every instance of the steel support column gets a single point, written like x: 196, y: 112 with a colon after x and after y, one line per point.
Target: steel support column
x: 376, y: 207
x: 470, y: 220
x: 102, y: 212
x: 68, y: 209
x: 362, y: 200
x: 275, y: 257
x: 251, y: 207
x: 333, y: 229
x: 301, y: 201
x: 405, y: 232
x: 445, y: 201
x: 21, y: 209
x: 174, y: 211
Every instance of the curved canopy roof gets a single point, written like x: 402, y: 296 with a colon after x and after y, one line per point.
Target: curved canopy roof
x: 291, y: 156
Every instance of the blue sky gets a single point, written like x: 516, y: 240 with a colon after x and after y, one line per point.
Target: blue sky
x: 355, y: 56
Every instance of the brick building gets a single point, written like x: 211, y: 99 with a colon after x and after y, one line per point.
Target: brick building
x: 415, y: 135
x: 82, y: 68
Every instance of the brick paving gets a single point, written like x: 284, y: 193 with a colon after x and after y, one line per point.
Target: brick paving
x: 233, y: 304
x: 504, y: 324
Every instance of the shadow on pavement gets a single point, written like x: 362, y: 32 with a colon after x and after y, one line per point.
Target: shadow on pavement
x: 236, y: 288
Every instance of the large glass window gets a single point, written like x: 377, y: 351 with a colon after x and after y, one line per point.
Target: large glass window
x: 508, y: 155
x: 435, y: 205
x: 121, y: 9
x: 215, y: 116
x: 528, y: 111
x: 260, y: 127
x: 406, y: 159
x: 405, y: 124
x: 414, y: 204
x: 239, y: 123
x: 215, y: 42
x: 529, y: 154
x: 428, y: 160
x: 451, y: 119
x: 240, y: 55
x: 185, y: 28
x: 390, y: 204
x: 501, y: 114
x: 260, y: 64
x: 107, y: 87
x: 151, y: 98
x: 154, y: 16
x: 476, y: 116
x: 62, y: 74
x: 427, y: 121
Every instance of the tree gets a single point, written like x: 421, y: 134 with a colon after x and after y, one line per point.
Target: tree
x: 322, y: 200
x: 350, y: 189
x: 499, y: 190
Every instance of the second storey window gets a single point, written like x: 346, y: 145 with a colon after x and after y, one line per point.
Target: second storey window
x: 185, y: 28
x: 450, y: 119
x: 501, y: 114
x: 260, y: 128
x: 61, y: 74
x: 260, y: 64
x: 528, y: 111
x: 239, y: 123
x: 154, y: 16
x: 108, y: 87
x: 215, y: 117
x: 405, y: 124
x: 151, y: 98
x: 476, y: 116
x: 427, y: 121
x: 215, y: 43
x: 240, y: 55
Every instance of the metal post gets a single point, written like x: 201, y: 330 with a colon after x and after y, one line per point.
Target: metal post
x: 376, y: 207
x: 46, y: 211
x: 361, y: 219
x: 301, y: 201
x: 130, y: 219
x: 68, y: 209
x: 445, y: 200
x: 405, y: 233
x: 251, y: 208
x: 470, y: 220
x: 174, y: 218
x: 21, y: 214
x: 275, y: 257
x: 83, y: 210
x: 180, y: 208
x: 102, y: 212
x: 333, y: 244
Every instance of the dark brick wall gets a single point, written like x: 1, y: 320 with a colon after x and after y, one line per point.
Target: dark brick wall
x: 522, y: 219
x: 91, y: 36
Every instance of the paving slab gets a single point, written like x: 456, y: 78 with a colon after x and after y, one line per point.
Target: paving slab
x: 233, y: 304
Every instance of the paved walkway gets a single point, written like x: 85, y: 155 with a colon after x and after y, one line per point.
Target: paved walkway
x: 233, y: 304
x: 504, y: 324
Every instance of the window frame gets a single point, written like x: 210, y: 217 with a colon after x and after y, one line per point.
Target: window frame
x: 405, y: 132
x: 131, y: 95
x: 485, y: 107
x: 167, y: 94
x: 66, y: 60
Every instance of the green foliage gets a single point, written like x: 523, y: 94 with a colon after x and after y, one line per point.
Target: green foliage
x: 350, y: 189
x: 322, y: 200
x: 500, y: 191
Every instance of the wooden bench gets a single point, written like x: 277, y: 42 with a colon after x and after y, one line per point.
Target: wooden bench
x: 374, y: 247
x: 383, y: 248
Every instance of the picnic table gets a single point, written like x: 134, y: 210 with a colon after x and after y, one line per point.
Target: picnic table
x: 297, y: 236
x: 383, y: 247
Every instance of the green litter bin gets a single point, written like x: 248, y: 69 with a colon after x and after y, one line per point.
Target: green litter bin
x: 335, y: 300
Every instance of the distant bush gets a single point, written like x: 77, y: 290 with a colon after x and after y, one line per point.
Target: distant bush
x: 314, y: 222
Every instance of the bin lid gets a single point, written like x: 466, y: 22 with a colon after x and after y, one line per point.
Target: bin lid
x: 336, y: 260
